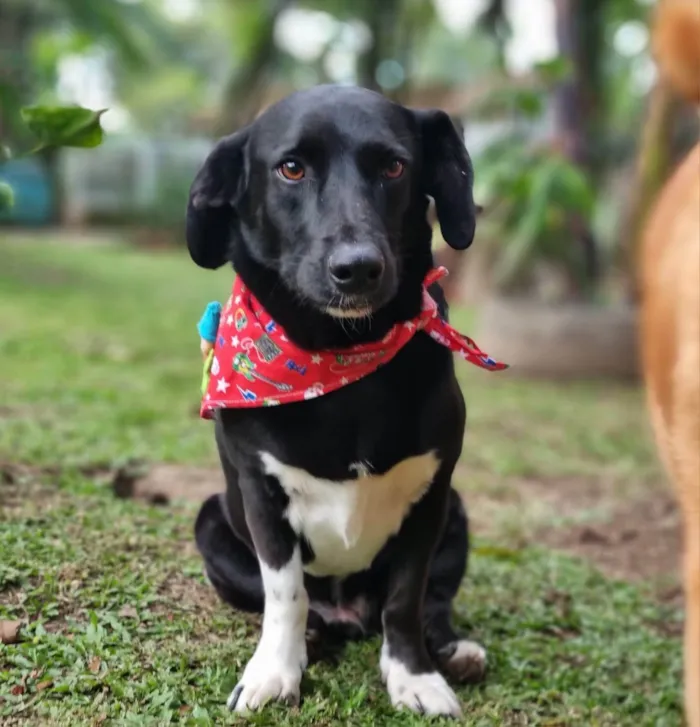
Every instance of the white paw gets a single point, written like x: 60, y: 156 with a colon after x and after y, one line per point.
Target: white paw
x: 267, y: 679
x: 465, y: 661
x: 426, y: 693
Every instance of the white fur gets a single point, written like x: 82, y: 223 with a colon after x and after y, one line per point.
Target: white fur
x: 274, y: 672
x: 349, y: 312
x: 428, y: 693
x: 347, y: 522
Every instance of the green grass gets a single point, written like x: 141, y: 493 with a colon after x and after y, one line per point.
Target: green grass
x: 99, y: 363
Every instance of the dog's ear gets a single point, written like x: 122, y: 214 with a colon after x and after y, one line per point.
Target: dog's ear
x: 447, y: 177
x: 211, y: 208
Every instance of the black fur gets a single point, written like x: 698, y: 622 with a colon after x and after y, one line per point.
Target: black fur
x: 280, y: 237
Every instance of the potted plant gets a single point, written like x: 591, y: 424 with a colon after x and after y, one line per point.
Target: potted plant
x: 547, y: 311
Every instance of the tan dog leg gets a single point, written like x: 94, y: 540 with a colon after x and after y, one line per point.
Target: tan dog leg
x: 692, y: 620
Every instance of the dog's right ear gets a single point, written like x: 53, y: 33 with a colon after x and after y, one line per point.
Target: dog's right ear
x: 211, y: 209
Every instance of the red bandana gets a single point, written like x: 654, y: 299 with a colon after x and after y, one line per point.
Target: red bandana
x: 255, y: 364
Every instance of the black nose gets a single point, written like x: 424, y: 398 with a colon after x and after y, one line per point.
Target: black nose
x: 356, y: 268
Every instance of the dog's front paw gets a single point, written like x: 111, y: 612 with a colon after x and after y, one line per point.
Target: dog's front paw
x: 426, y: 693
x: 266, y: 679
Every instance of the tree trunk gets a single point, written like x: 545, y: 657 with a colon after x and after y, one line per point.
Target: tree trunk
x: 579, y: 103
x: 579, y: 100
x: 243, y: 94
x: 494, y: 22
x: 652, y: 167
x: 382, y: 17
x: 17, y: 24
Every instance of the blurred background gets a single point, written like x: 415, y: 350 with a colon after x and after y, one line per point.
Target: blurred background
x: 569, y: 131
x: 553, y: 96
x: 571, y: 134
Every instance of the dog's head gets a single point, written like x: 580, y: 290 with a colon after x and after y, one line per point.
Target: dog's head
x: 326, y: 190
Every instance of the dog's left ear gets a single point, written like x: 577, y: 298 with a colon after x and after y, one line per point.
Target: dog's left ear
x: 214, y: 194
x: 447, y: 177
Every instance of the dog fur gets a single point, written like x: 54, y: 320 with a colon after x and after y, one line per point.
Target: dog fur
x: 339, y: 514
x: 670, y: 320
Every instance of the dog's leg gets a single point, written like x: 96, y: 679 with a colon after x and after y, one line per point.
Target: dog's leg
x: 275, y: 669
x: 684, y: 440
x: 412, y: 680
x: 461, y: 659
x: 230, y: 565
x: 691, y: 567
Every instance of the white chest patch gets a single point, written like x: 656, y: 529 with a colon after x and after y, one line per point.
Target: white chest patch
x: 347, y: 522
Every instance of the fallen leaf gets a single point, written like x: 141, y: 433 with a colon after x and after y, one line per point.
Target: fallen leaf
x: 44, y: 685
x: 128, y: 611
x: 9, y: 631
x: 17, y: 690
x: 185, y: 709
x: 169, y: 617
x: 94, y: 665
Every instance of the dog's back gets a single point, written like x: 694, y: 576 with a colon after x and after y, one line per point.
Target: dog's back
x: 670, y: 324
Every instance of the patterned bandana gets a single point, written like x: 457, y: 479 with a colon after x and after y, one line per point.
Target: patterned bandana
x: 255, y: 364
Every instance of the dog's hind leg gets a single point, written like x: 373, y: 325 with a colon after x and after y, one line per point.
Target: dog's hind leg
x: 223, y: 539
x: 462, y: 660
x: 230, y: 565
x: 684, y: 441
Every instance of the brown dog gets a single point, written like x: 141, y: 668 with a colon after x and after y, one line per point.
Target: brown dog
x: 670, y: 319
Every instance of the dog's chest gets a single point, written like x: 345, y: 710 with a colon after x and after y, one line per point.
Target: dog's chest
x: 347, y: 522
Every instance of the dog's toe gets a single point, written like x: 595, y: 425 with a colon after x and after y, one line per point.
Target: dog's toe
x: 426, y: 693
x: 249, y: 696
x: 464, y: 661
x: 267, y: 679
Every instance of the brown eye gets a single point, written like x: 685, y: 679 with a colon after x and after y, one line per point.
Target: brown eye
x: 291, y: 171
x: 394, y: 170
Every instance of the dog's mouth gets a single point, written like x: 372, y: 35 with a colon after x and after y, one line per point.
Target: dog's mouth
x: 349, y: 307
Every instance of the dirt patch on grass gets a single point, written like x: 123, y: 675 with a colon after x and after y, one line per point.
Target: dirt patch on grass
x: 627, y: 533
x: 188, y: 594
x: 640, y: 541
x: 165, y: 483
x: 22, y: 484
x: 515, y: 510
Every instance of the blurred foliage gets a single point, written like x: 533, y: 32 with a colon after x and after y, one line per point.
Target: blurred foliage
x: 208, y: 66
x: 36, y: 34
x: 533, y: 194
x: 54, y: 127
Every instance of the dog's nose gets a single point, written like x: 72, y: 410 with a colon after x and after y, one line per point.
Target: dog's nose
x: 356, y: 268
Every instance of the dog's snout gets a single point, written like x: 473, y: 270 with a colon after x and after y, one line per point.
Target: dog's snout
x: 356, y: 268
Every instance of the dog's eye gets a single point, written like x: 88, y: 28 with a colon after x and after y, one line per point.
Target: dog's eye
x: 394, y: 169
x: 291, y: 171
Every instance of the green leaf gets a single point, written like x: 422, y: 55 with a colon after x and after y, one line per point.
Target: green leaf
x: 56, y: 126
x: 7, y: 197
x: 574, y: 191
x: 529, y: 102
x: 555, y: 70
x: 531, y: 228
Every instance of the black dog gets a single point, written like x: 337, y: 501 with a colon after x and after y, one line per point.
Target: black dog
x: 339, y: 510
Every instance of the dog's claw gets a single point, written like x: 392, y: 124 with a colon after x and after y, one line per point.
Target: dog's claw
x: 233, y: 697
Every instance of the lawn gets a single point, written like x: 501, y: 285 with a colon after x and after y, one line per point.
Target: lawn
x: 571, y: 585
